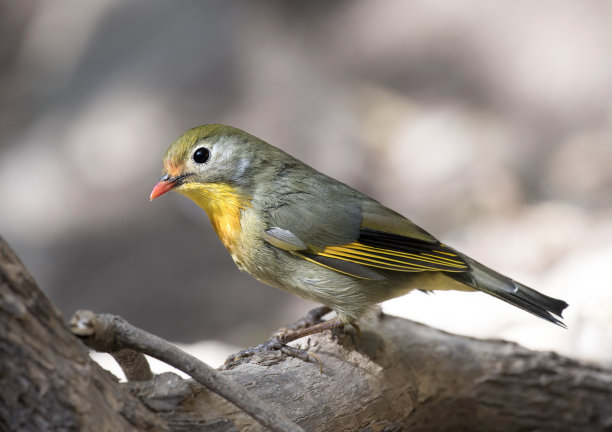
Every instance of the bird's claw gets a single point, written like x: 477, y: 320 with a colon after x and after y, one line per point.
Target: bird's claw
x: 275, y: 344
x: 303, y: 355
x: 306, y: 326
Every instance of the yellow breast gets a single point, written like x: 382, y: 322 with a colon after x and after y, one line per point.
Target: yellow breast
x: 223, y: 205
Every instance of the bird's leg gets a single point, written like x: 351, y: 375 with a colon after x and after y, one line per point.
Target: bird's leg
x: 287, y: 336
x: 310, y: 319
x: 280, y: 341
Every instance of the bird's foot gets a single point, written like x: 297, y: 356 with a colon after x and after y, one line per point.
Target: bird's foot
x: 278, y: 343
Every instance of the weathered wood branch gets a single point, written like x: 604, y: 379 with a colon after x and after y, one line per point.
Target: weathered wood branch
x: 112, y: 334
x: 47, y: 379
x: 398, y: 376
x: 405, y: 376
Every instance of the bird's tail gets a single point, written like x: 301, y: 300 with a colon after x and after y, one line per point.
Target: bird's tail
x: 489, y: 281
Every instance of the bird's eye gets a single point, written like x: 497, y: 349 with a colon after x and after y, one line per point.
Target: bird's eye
x: 201, y: 155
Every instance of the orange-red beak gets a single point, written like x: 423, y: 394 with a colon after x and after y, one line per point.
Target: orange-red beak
x: 163, y: 185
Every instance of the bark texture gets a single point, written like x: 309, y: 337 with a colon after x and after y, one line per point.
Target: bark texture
x: 401, y: 375
x: 398, y: 376
x: 47, y: 379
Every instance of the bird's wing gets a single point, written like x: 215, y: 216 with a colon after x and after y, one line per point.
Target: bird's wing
x: 361, y: 238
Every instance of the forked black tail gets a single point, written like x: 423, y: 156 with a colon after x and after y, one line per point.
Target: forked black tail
x: 489, y: 281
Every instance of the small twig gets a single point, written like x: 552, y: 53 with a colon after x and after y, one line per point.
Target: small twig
x: 109, y: 333
x: 133, y: 364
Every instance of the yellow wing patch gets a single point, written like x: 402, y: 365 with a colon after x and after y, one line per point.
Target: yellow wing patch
x: 433, y: 259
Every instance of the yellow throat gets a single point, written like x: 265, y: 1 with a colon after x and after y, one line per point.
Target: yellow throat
x: 223, y: 205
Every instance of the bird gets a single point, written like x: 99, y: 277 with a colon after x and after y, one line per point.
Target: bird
x: 297, y: 229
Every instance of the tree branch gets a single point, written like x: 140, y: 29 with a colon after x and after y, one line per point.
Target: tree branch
x: 401, y: 375
x: 109, y: 333
x: 47, y: 379
x: 133, y: 363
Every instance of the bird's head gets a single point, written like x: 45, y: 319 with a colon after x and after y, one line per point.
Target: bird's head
x: 210, y: 157
x: 220, y: 168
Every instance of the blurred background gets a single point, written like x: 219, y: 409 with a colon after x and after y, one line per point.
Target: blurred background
x: 489, y: 123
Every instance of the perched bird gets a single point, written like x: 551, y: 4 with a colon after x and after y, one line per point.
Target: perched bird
x: 297, y: 229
